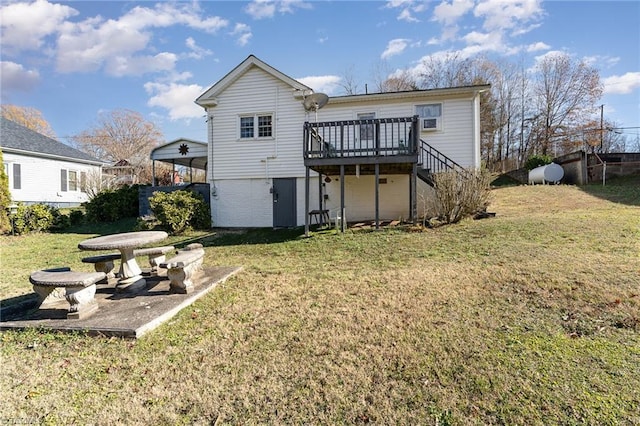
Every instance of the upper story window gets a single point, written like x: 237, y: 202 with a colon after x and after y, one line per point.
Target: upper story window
x: 366, y: 130
x: 430, y: 116
x: 256, y: 126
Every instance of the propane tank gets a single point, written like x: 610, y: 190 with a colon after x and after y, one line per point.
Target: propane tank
x: 550, y: 173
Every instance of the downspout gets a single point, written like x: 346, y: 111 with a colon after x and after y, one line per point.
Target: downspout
x: 275, y: 123
x: 214, y: 192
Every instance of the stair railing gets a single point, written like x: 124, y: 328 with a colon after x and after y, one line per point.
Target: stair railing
x: 435, y: 161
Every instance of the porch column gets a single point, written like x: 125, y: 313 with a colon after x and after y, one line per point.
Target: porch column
x: 153, y: 173
x: 306, y: 201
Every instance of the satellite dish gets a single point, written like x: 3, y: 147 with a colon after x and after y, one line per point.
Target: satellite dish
x: 315, y: 101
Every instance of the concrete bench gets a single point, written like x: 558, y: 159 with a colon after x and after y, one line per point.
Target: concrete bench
x: 80, y: 289
x: 181, y: 267
x: 103, y: 263
x: 156, y: 255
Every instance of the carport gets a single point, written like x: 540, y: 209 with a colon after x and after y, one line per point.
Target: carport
x: 181, y: 152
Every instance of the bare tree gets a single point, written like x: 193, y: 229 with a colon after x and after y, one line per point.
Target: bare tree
x: 348, y: 82
x: 449, y: 70
x: 28, y: 117
x: 566, y: 92
x: 399, y: 81
x: 122, y: 135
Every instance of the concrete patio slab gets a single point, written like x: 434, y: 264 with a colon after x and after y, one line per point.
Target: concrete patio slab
x: 121, y: 314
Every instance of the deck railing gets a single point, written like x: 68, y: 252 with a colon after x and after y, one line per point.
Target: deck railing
x: 361, y: 138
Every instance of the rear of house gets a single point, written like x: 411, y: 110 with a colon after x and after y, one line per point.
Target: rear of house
x: 261, y: 174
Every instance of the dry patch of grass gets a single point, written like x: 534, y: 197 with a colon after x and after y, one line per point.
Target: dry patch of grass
x: 528, y: 318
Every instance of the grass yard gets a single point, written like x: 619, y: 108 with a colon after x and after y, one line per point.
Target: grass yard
x: 531, y: 317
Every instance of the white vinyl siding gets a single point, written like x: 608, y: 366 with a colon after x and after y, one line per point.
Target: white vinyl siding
x: 41, y: 180
x: 280, y: 155
x: 456, y: 138
x: 249, y: 202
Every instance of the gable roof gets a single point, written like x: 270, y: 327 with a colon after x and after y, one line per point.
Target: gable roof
x: 187, y: 158
x: 208, y: 97
x: 18, y: 139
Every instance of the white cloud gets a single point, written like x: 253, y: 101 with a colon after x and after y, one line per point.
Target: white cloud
x: 24, y: 26
x: 507, y: 14
x: 395, y: 47
x: 322, y: 83
x: 536, y: 47
x: 601, y: 61
x: 117, y: 45
x: 621, y: 84
x: 15, y: 77
x: 406, y: 15
x: 197, y: 52
x: 261, y: 9
x: 407, y: 9
x: 448, y: 13
x: 119, y: 66
x: 176, y: 98
x: 243, y: 32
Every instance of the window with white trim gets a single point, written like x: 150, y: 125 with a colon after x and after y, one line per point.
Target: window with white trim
x: 256, y: 126
x: 430, y: 116
x: 71, y: 181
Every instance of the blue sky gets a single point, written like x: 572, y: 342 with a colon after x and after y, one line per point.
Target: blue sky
x: 74, y: 60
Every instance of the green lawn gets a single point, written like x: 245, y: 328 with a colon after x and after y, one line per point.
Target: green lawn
x: 531, y: 317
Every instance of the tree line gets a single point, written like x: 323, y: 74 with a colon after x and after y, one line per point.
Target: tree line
x: 550, y: 109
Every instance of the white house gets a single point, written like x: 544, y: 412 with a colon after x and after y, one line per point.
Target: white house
x: 277, y: 151
x: 43, y: 170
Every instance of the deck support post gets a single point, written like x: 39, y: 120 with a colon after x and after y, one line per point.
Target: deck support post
x: 306, y: 201
x: 413, y: 194
x: 377, y: 178
x: 342, y: 218
x: 320, y: 199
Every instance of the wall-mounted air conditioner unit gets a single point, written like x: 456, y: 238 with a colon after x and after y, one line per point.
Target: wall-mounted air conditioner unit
x: 430, y: 124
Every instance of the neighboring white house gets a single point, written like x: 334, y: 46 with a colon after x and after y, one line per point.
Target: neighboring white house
x: 43, y: 170
x: 261, y: 151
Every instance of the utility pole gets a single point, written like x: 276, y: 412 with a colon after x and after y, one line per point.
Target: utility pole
x: 601, y: 126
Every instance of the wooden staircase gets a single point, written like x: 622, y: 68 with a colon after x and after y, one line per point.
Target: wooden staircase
x: 432, y: 161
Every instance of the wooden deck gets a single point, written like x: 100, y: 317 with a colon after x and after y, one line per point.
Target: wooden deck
x: 391, y: 143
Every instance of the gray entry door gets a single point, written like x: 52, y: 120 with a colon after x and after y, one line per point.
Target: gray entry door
x: 284, y: 202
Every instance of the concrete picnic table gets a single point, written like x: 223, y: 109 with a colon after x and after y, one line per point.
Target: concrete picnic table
x: 130, y: 273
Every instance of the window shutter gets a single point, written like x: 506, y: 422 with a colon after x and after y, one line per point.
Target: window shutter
x: 63, y: 180
x: 17, y: 182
